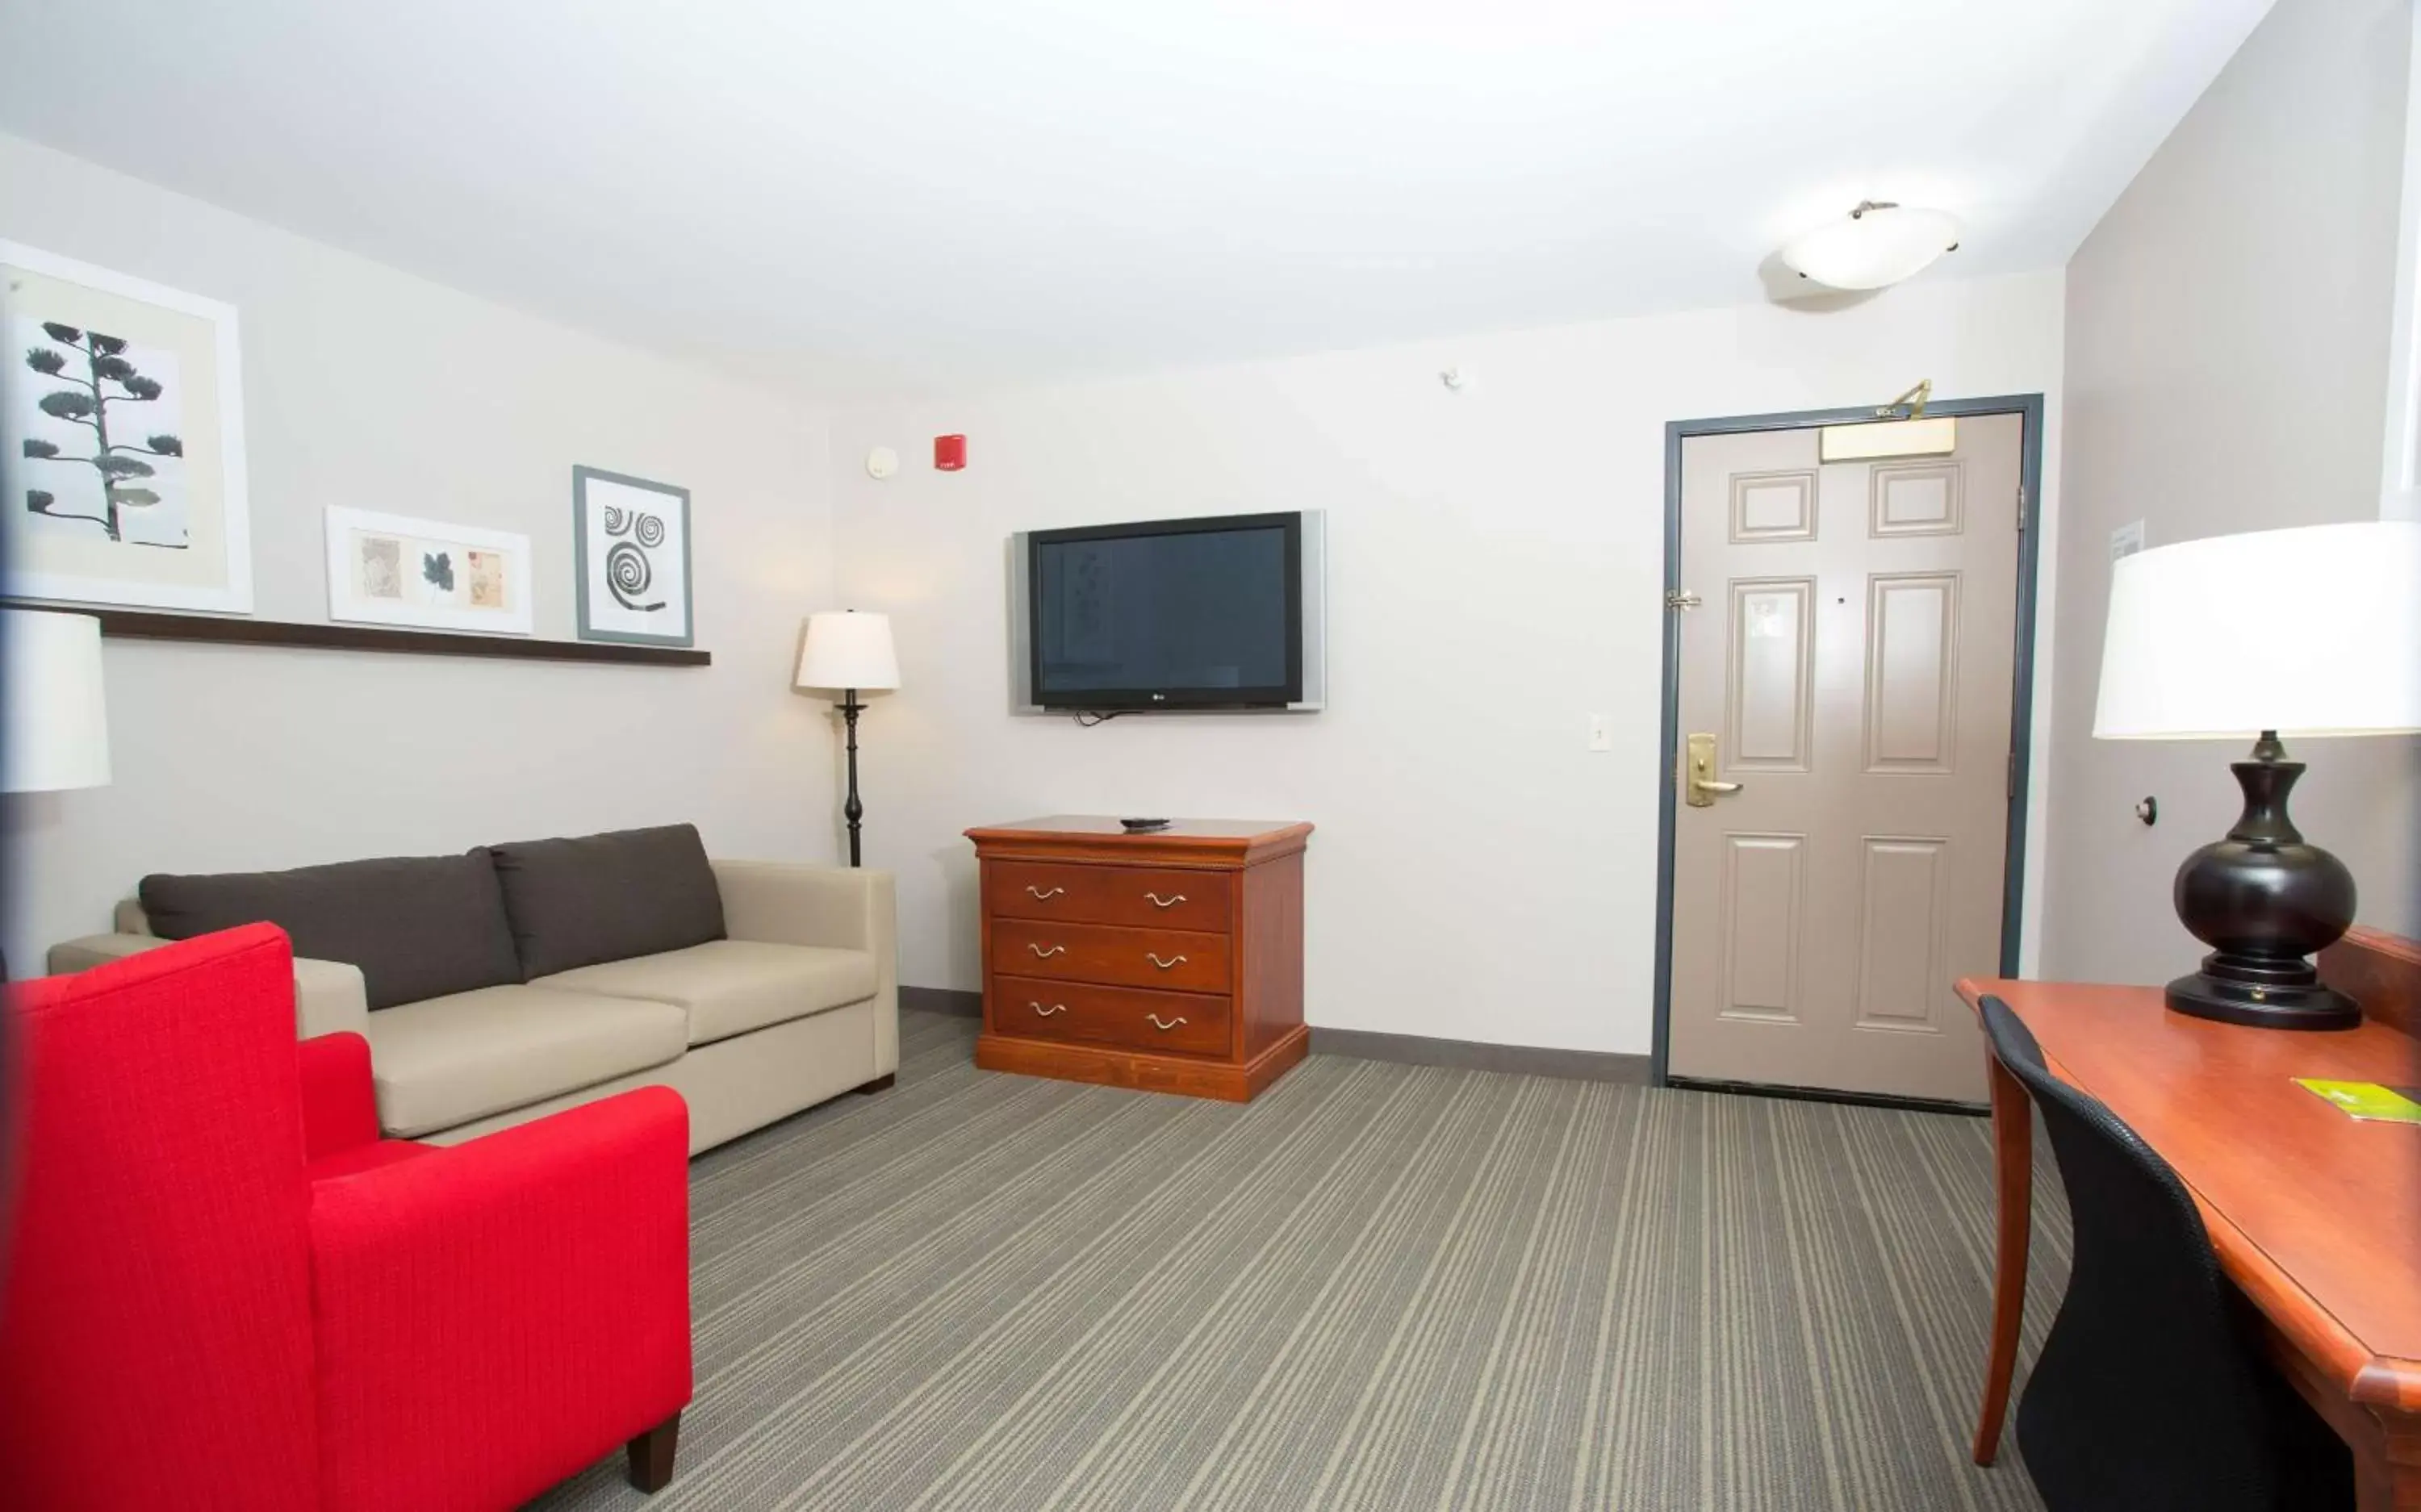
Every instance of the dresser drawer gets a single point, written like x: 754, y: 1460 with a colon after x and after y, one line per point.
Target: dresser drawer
x: 1153, y: 898
x: 1178, y: 960
x: 1126, y: 1018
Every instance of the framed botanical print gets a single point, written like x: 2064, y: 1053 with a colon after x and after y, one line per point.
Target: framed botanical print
x: 121, y: 440
x: 631, y: 541
x: 390, y: 569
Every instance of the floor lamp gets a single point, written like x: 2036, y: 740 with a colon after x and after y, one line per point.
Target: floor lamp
x: 54, y: 734
x: 848, y: 653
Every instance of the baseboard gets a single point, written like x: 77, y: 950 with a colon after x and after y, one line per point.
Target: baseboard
x: 1368, y: 1045
x: 1473, y: 1055
x: 1819, y: 1094
x: 949, y: 1000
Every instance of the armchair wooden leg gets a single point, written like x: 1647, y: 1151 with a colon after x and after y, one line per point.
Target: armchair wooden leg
x: 651, y: 1455
x: 880, y: 1084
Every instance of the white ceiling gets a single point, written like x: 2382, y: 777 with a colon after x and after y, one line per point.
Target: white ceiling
x: 865, y: 196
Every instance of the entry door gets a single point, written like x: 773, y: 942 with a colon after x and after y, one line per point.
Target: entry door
x: 1850, y: 664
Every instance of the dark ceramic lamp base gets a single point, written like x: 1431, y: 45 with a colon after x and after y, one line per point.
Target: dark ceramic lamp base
x: 2266, y: 902
x: 2205, y: 996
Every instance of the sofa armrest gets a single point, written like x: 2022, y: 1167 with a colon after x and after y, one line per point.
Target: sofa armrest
x: 87, y: 951
x: 495, y: 1315
x: 782, y: 903
x: 339, y: 1105
x: 330, y: 998
x: 329, y: 995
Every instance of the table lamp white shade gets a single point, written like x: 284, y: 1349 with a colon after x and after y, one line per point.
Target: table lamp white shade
x: 57, y: 729
x: 2309, y: 632
x: 847, y: 649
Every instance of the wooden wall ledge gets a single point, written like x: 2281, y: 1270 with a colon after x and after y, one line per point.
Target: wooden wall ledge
x: 135, y: 624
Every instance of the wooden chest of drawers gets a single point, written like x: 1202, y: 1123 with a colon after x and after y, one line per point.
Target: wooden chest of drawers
x: 1170, y: 962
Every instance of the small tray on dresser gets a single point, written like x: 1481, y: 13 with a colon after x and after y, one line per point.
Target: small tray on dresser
x: 1170, y: 961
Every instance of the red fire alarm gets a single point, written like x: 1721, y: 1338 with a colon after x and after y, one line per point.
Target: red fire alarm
x: 949, y: 453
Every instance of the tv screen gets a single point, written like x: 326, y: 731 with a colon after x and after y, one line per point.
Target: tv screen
x: 1169, y: 615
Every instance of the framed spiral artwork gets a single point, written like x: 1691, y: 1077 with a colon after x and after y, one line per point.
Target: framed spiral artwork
x: 632, y: 540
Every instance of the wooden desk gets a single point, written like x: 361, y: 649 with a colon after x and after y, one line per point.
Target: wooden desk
x: 2314, y: 1216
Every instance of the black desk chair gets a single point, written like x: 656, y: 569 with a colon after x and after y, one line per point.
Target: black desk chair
x: 2150, y: 1394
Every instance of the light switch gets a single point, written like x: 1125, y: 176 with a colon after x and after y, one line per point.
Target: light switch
x: 1601, y: 732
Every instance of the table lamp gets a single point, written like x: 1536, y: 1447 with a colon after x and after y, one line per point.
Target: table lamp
x: 851, y: 653
x: 57, y: 733
x: 2307, y: 633
x: 53, y: 724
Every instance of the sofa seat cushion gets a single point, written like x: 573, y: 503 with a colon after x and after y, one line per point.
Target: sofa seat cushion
x: 729, y: 987
x: 447, y: 1060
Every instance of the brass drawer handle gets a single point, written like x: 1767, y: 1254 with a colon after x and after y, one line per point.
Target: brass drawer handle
x: 1054, y: 950
x: 1155, y: 1018
x: 1160, y: 902
x: 1044, y: 1013
x: 1164, y: 965
x: 1042, y: 896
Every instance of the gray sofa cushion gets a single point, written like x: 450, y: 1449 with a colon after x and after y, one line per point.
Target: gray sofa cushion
x: 418, y: 927
x: 598, y: 897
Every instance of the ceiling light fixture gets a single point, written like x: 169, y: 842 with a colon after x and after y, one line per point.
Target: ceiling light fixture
x: 1875, y: 246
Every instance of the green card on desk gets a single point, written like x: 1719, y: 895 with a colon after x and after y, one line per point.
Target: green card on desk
x: 2368, y: 1100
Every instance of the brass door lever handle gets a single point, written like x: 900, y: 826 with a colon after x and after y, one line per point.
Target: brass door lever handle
x: 1699, y: 787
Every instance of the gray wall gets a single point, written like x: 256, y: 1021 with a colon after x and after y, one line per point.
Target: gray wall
x: 2226, y: 369
x: 368, y: 387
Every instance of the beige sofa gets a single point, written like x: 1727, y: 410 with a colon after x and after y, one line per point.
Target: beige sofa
x: 799, y: 1003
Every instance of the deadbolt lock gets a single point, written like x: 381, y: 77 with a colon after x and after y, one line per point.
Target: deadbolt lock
x: 1699, y: 788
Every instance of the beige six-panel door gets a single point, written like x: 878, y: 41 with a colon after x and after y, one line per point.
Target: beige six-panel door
x: 1851, y: 658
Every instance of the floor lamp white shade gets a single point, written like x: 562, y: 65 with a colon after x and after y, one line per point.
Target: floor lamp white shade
x: 2309, y: 632
x: 852, y: 652
x: 57, y: 733
x: 845, y: 649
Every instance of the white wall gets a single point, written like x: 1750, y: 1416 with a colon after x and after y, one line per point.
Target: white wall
x: 1497, y: 572
x: 2228, y: 360
x: 368, y: 387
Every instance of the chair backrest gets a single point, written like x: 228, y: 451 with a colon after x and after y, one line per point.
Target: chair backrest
x: 2147, y: 1394
x: 155, y: 1325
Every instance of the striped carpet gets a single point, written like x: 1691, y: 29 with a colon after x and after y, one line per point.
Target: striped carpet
x: 1379, y: 1287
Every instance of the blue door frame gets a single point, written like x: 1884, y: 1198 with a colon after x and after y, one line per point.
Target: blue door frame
x: 2029, y: 407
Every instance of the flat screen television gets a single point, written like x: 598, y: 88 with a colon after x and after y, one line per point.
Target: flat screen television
x: 1171, y: 614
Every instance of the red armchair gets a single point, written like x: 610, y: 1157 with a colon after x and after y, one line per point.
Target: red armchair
x: 225, y: 1290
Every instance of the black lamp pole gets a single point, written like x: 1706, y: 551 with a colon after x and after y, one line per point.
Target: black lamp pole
x: 852, y: 810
